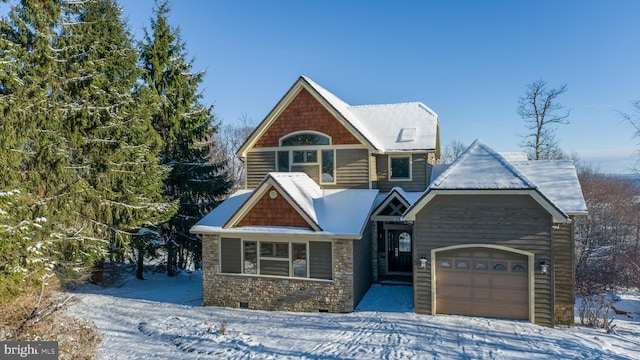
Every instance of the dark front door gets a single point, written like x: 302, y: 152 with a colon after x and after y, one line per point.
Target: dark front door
x: 399, y: 250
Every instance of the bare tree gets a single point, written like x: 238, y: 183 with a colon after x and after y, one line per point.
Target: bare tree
x: 607, y: 244
x: 633, y: 118
x: 228, y: 141
x: 451, y: 152
x: 541, y: 112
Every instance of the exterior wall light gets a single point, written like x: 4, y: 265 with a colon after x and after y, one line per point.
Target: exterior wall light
x: 423, y: 262
x: 544, y: 268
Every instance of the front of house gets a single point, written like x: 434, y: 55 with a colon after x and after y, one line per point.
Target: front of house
x: 338, y: 197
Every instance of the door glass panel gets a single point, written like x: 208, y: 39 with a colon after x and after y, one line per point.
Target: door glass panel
x: 404, y: 242
x: 462, y: 264
x: 481, y: 265
x: 518, y: 268
x: 444, y: 263
x: 500, y: 267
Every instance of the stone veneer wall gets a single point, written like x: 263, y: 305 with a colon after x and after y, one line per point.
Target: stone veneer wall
x: 276, y: 293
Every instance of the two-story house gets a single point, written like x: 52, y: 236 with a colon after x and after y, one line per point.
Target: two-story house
x: 338, y: 197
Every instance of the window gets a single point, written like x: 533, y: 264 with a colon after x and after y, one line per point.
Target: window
x: 283, y: 161
x: 404, y: 242
x: 400, y: 167
x: 481, y: 265
x: 302, y: 139
x: 518, y: 268
x: 308, y: 149
x: 299, y: 260
x: 500, y: 267
x: 305, y: 156
x: 250, y: 257
x: 327, y: 167
x: 290, y: 259
x: 462, y: 264
x: 445, y: 264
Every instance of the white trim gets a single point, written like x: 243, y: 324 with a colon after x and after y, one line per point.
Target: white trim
x: 284, y: 103
x: 290, y: 244
x: 531, y: 272
x: 397, y: 156
x: 304, y: 233
x: 302, y: 147
x: 393, y: 195
x: 257, y: 195
x: 299, y: 132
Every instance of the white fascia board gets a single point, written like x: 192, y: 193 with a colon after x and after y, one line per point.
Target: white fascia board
x: 258, y: 194
x: 266, y: 123
x: 272, y: 233
x: 558, y: 215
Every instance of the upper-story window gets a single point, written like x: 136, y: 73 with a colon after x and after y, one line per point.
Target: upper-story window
x: 301, y: 139
x: 308, y: 149
x: 400, y: 167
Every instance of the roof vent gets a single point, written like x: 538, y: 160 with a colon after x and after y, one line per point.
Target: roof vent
x: 407, y: 134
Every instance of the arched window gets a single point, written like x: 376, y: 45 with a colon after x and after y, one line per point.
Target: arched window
x: 306, y: 138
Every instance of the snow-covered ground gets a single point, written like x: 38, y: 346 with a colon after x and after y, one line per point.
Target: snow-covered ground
x: 162, y: 318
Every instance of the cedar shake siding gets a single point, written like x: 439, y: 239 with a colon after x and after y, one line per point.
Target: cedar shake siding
x: 273, y: 212
x: 513, y: 221
x: 420, y: 174
x: 305, y: 113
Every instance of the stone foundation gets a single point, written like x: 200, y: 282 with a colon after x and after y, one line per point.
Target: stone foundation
x: 277, y: 293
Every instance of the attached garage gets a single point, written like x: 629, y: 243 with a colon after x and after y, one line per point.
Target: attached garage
x: 482, y: 281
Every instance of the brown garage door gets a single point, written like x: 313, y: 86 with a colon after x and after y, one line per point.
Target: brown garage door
x: 482, y: 282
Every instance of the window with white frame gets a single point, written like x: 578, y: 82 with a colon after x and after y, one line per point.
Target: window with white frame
x: 308, y: 149
x: 400, y: 167
x: 311, y: 260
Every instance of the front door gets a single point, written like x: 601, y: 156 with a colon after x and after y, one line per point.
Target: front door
x: 399, y: 250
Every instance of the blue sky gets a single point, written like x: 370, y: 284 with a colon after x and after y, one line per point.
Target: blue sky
x: 469, y: 61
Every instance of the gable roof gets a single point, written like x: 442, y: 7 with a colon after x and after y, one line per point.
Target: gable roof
x: 406, y: 198
x: 342, y: 212
x: 381, y: 128
x: 553, y: 184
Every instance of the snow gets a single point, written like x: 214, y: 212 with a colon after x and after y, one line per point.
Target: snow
x: 338, y: 212
x: 161, y: 318
x: 382, y: 124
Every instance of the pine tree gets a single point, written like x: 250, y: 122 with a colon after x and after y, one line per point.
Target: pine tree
x: 115, y: 149
x: 35, y: 183
x: 184, y: 124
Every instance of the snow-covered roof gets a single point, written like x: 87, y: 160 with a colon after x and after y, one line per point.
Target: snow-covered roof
x: 389, y: 127
x: 336, y: 212
x: 400, y: 127
x: 558, y: 180
x: 480, y: 168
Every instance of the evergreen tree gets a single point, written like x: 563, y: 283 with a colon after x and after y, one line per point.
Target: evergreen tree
x: 114, y: 146
x: 185, y: 124
x: 33, y: 148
